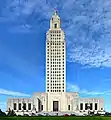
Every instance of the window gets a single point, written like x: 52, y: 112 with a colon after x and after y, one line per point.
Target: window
x: 42, y: 107
x: 86, y: 106
x: 81, y: 106
x: 68, y: 107
x: 29, y: 106
x: 95, y: 106
x: 55, y: 25
x: 19, y: 106
x: 15, y: 107
x: 90, y: 106
x: 24, y: 106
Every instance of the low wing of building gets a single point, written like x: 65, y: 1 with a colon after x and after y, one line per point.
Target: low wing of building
x: 55, y: 102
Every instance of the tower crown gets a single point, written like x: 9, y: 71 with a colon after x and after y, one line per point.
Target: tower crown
x: 55, y: 21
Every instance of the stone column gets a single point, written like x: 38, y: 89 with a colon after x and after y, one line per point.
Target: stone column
x: 12, y: 107
x: 59, y: 105
x: 27, y: 105
x: 44, y: 103
x: 37, y: 105
x: 98, y: 105
x: 93, y: 105
x: 18, y: 105
x: 77, y: 104
x: 83, y: 106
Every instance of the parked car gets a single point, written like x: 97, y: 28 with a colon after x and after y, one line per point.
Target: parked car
x: 72, y: 115
x: 40, y: 115
x: 107, y: 114
x: 26, y: 115
x: 66, y: 115
x: 33, y: 114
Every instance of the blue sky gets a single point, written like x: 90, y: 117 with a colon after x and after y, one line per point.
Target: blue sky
x: 23, y: 25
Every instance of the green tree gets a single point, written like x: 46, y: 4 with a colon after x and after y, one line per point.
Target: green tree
x: 2, y: 113
x: 11, y: 113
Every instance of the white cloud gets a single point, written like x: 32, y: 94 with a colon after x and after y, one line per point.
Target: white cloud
x: 107, y: 79
x: 76, y: 88
x: 2, y: 103
x: 12, y: 93
x: 89, y: 33
x: 26, y: 12
x: 25, y: 28
x: 15, y: 9
x: 87, y: 25
x: 71, y: 87
x: 3, y: 106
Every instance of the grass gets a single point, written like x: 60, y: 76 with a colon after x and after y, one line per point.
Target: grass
x: 57, y: 118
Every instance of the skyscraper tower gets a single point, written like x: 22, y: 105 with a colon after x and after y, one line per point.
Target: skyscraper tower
x: 55, y: 56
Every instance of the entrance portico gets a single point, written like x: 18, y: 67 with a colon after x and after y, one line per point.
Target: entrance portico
x: 55, y: 105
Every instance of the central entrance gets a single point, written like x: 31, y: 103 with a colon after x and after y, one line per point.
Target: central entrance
x: 55, y: 105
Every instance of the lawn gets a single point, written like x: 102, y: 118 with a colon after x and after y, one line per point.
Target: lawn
x: 56, y: 118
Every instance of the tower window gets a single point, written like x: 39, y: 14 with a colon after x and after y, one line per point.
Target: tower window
x: 55, y: 25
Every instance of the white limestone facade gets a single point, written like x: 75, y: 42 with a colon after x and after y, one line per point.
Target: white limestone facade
x: 55, y: 99
x: 44, y: 102
x: 96, y: 104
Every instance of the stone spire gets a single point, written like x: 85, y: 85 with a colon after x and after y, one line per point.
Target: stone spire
x: 55, y: 21
x: 55, y: 11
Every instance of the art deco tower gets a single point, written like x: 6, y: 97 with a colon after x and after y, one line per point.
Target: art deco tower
x: 55, y: 56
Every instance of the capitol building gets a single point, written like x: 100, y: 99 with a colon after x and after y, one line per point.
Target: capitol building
x: 55, y: 98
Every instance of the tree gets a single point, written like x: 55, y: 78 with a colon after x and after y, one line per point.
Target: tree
x: 2, y: 113
x: 11, y: 113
